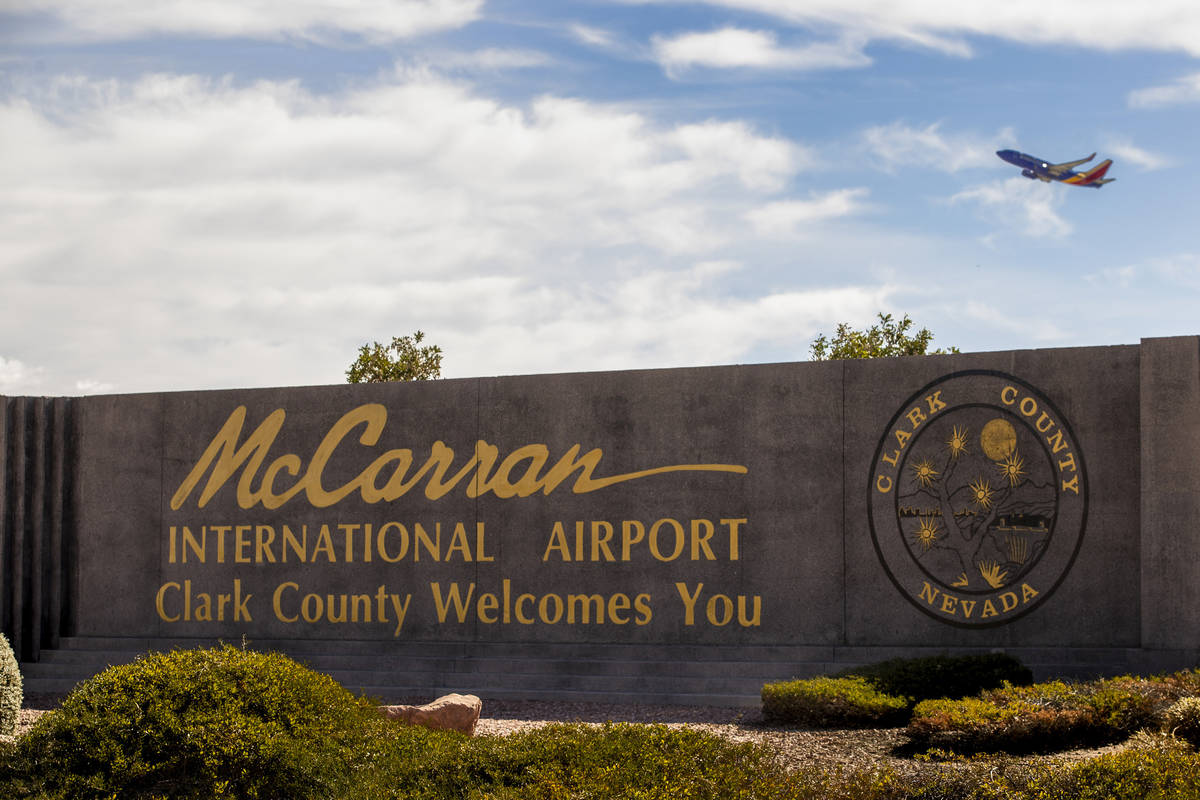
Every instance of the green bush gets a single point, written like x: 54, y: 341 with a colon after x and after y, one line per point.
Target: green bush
x: 573, y: 761
x: 943, y: 676
x: 1161, y: 770
x: 832, y: 702
x: 11, y: 694
x: 197, y: 724
x: 1183, y: 720
x: 1041, y: 718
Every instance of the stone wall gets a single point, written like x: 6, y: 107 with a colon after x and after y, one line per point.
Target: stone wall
x: 1018, y: 499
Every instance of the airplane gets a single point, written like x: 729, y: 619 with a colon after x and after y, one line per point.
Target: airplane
x: 1036, y: 169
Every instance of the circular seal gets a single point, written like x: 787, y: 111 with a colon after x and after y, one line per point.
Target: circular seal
x: 978, y: 498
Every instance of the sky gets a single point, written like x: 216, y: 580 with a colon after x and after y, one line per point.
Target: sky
x: 204, y: 194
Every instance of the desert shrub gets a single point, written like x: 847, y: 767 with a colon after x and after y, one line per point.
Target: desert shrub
x: 11, y: 694
x: 832, y: 702
x: 197, y: 724
x: 560, y: 761
x: 1157, y: 768
x: 943, y: 676
x: 1041, y: 718
x: 1182, y: 719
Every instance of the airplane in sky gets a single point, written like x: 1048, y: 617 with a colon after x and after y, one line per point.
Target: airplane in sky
x: 1036, y: 169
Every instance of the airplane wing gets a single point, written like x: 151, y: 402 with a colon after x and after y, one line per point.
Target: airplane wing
x: 1059, y: 169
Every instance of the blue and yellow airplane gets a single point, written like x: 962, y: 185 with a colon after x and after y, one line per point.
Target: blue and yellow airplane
x: 1036, y: 169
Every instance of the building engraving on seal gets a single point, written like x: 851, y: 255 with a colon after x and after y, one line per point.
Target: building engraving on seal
x: 978, y: 498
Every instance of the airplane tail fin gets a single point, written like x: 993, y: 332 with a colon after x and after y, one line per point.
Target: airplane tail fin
x: 1095, y: 175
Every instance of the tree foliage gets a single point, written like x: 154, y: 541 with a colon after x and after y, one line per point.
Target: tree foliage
x: 402, y: 360
x: 889, y: 338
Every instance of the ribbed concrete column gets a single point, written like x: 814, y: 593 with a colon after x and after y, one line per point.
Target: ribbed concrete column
x: 34, y: 496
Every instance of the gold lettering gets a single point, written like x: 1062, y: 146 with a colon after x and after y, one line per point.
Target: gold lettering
x: 453, y: 596
x: 600, y: 540
x: 700, y: 542
x: 734, y: 524
x: 883, y: 484
x: 458, y: 543
x: 227, y: 456
x: 915, y: 417
x: 277, y: 598
x: 1072, y: 484
x: 558, y: 542
x: 689, y: 602
x: 160, y: 606
x: 935, y: 401
x: 628, y: 540
x: 680, y: 540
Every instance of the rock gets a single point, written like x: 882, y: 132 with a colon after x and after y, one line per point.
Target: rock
x: 454, y: 712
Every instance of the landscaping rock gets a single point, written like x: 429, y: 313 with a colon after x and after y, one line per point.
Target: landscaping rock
x: 454, y: 712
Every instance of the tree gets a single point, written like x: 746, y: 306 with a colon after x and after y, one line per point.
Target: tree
x: 402, y: 360
x: 888, y: 338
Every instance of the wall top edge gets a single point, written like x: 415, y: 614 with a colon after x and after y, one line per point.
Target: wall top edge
x: 949, y: 357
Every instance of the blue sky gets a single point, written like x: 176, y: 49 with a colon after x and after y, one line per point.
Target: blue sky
x: 240, y: 193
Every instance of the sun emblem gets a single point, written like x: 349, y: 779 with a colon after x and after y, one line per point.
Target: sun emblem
x: 1012, y: 468
x: 927, y: 533
x: 924, y: 472
x: 981, y: 493
x: 957, y: 443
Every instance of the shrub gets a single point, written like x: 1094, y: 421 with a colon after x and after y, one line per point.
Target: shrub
x: 943, y: 676
x: 577, y: 761
x: 11, y: 694
x: 832, y: 702
x: 1153, y: 770
x: 197, y: 724
x: 1183, y: 720
x: 1041, y: 718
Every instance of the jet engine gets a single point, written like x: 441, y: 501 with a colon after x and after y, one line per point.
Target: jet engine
x: 1028, y: 173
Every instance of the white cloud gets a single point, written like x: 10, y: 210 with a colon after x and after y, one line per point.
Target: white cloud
x: 17, y: 378
x: 1171, y: 25
x: 306, y: 19
x: 1029, y: 207
x: 790, y: 216
x: 1125, y: 150
x: 592, y: 36
x: 1176, y: 272
x: 207, y: 234
x: 734, y: 47
x: 899, y: 145
x: 491, y: 59
x: 1183, y: 90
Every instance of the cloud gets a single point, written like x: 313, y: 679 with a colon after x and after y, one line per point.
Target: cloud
x: 1175, y: 272
x: 314, y: 20
x: 1029, y: 207
x: 491, y: 59
x: 1125, y: 150
x: 592, y: 36
x: 17, y: 378
x: 899, y: 145
x: 209, y: 234
x: 790, y: 216
x: 1184, y: 90
x: 1165, y: 25
x: 734, y: 47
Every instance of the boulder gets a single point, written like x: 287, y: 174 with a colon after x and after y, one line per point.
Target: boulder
x: 454, y: 712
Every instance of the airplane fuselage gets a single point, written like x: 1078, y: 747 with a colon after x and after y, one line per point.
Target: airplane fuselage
x: 1036, y: 169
